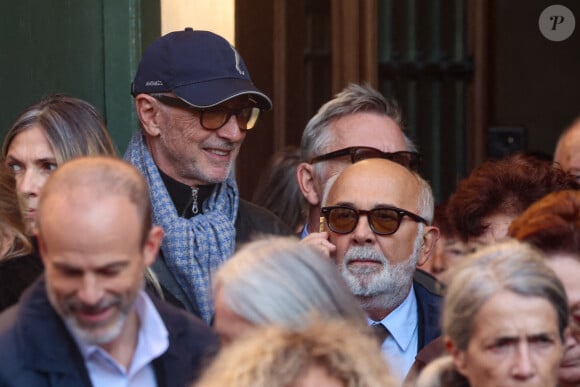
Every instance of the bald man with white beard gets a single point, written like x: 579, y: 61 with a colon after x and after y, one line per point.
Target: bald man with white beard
x: 378, y: 214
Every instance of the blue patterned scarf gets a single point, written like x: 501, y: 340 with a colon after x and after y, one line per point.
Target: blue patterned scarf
x: 193, y: 248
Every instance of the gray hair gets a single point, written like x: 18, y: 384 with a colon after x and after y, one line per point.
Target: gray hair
x: 509, y: 265
x: 352, y: 99
x: 279, y: 280
x: 278, y: 356
x: 426, y: 205
x: 73, y: 128
x: 441, y: 372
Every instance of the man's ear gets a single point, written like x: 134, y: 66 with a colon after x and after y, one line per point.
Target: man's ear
x: 149, y: 113
x: 430, y: 237
x: 152, y: 244
x: 307, y: 183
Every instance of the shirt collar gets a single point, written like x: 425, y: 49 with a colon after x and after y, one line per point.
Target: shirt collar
x: 402, y: 322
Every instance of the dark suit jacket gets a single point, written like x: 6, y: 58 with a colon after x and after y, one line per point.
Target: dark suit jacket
x: 429, y: 293
x: 429, y: 304
x: 37, y: 349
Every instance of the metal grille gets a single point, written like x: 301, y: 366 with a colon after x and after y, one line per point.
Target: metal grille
x: 317, y: 55
x: 424, y: 64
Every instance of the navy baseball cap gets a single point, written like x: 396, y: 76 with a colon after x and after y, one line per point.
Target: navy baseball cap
x: 200, y: 67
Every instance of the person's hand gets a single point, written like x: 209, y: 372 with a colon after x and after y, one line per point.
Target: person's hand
x: 320, y: 242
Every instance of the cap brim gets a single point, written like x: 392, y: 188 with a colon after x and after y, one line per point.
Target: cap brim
x: 211, y: 93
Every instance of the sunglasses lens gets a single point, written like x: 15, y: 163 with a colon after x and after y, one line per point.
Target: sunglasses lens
x: 214, y: 119
x: 342, y: 220
x: 365, y: 153
x: 409, y: 160
x: 248, y: 117
x: 384, y: 221
x: 406, y: 159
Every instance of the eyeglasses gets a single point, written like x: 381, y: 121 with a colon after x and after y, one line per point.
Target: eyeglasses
x: 215, y: 117
x: 410, y: 160
x: 382, y: 220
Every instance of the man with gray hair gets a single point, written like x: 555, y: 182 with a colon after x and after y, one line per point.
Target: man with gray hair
x: 196, y: 103
x: 378, y: 215
x: 358, y: 123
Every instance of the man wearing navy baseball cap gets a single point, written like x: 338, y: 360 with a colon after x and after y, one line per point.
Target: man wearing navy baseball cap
x: 196, y: 102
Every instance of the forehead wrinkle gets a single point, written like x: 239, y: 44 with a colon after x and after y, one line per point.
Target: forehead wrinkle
x: 17, y: 155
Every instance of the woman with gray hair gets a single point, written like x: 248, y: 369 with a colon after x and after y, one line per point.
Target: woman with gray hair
x: 44, y: 136
x: 504, y: 318
x: 280, y: 281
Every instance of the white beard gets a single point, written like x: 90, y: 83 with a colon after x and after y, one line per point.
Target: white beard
x: 97, y: 336
x: 391, y: 284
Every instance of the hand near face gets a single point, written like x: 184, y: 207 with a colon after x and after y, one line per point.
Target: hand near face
x: 319, y: 241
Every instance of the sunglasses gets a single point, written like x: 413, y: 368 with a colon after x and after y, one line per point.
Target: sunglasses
x: 382, y: 220
x: 410, y: 160
x: 215, y: 117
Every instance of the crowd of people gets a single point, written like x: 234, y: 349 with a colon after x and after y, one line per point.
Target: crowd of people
x: 151, y: 270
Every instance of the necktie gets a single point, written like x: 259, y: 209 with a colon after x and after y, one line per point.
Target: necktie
x: 380, y: 331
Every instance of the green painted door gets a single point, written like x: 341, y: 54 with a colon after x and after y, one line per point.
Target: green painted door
x: 85, y: 48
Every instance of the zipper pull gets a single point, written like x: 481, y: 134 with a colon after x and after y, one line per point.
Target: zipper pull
x: 194, y: 207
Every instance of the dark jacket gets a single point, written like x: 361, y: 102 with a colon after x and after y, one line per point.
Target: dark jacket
x: 251, y: 222
x: 16, y: 274
x: 428, y: 292
x: 37, y: 349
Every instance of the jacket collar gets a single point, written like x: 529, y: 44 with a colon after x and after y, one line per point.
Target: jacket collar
x: 47, y: 345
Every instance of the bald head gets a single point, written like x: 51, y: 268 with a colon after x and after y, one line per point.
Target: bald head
x: 403, y: 184
x: 567, y: 152
x: 80, y: 183
x: 96, y: 241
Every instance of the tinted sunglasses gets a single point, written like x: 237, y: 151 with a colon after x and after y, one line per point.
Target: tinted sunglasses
x: 215, y: 117
x: 410, y: 160
x: 382, y: 220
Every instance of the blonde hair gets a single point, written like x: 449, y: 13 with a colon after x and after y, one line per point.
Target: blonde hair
x: 441, y: 372
x: 277, y: 357
x: 12, y: 227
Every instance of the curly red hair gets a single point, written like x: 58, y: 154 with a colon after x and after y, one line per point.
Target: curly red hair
x: 507, y: 186
x: 552, y: 224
